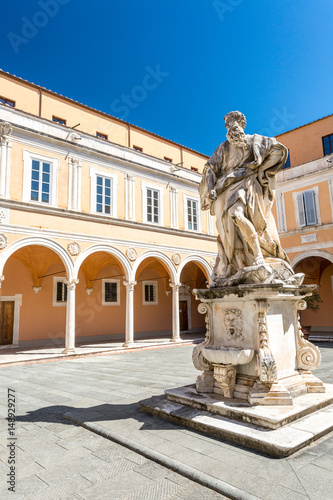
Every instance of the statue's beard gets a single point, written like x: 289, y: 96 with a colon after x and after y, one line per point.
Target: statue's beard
x: 237, y: 138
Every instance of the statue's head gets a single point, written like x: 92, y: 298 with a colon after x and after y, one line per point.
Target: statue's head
x: 235, y: 123
x: 235, y: 116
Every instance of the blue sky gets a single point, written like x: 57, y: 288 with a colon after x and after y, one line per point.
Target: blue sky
x: 176, y: 67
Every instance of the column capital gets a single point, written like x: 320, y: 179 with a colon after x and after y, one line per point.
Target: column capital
x: 71, y: 284
x: 175, y: 286
x: 129, y: 177
x: 5, y: 130
x: 129, y: 285
x: 2, y: 278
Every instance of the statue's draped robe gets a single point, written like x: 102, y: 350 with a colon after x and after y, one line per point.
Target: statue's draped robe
x: 237, y: 182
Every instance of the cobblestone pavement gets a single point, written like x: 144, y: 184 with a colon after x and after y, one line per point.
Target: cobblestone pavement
x: 58, y: 460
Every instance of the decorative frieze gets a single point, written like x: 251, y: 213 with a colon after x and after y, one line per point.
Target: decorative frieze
x: 4, y: 215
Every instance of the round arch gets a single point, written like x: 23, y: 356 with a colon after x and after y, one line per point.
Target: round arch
x: 108, y: 249
x: 45, y: 242
x: 197, y: 260
x: 311, y: 253
x: 159, y: 256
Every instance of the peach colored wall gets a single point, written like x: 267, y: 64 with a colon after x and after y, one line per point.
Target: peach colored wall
x: 152, y: 317
x: 24, y: 96
x: 305, y: 143
x: 198, y: 320
x: 92, y: 318
x: 90, y: 121
x: 324, y: 317
x: 38, y: 319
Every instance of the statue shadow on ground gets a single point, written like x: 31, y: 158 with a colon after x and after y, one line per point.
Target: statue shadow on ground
x: 101, y: 413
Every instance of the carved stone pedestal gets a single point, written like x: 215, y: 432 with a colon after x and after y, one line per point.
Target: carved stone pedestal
x: 262, y: 319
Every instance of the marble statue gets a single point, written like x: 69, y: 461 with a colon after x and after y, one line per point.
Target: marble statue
x: 238, y: 187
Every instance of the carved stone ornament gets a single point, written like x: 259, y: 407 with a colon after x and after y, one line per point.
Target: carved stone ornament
x: 74, y: 248
x: 36, y: 289
x: 3, y: 241
x: 74, y: 137
x: 199, y: 361
x: 225, y: 375
x: 233, y: 322
x: 5, y: 129
x: 213, y: 262
x: 4, y: 215
x: 176, y: 259
x: 308, y: 355
x: 131, y: 254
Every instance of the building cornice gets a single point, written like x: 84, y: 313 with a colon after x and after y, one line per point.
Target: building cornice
x: 306, y: 230
x: 110, y: 221
x: 25, y: 127
x: 98, y: 112
x: 304, y: 175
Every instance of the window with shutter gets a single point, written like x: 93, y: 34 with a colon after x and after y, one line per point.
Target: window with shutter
x: 110, y: 292
x: 150, y: 292
x: 307, y: 211
x: 59, y: 291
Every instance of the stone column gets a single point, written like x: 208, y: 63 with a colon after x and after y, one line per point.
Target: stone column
x: 129, y: 197
x: 70, y: 317
x: 175, y: 312
x: 174, y: 207
x: 74, y: 184
x: 5, y: 150
x: 129, y: 329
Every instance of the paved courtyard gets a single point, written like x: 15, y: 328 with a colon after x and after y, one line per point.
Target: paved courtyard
x: 56, y: 459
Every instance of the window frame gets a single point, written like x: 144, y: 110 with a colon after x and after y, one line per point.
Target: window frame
x: 288, y: 161
x: 330, y: 139
x: 144, y: 187
x: 28, y: 158
x: 99, y: 135
x: 7, y: 101
x: 192, y: 199
x: 56, y: 280
x: 59, y: 121
x: 296, y: 198
x: 94, y: 173
x: 144, y: 284
x: 106, y: 303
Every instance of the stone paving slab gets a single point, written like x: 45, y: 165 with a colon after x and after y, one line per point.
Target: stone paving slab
x: 48, y: 438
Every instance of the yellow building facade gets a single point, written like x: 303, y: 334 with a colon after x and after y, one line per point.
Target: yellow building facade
x: 102, y: 233
x: 304, y: 205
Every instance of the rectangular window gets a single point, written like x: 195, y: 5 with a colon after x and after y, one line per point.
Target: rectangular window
x: 307, y: 208
x: 153, y: 205
x: 149, y: 292
x: 56, y: 119
x: 40, y: 181
x: 103, y: 195
x: 192, y: 215
x: 137, y: 148
x: 328, y: 144
x: 287, y: 164
x: 111, y: 292
x: 101, y: 136
x: 59, y: 292
x: 8, y: 102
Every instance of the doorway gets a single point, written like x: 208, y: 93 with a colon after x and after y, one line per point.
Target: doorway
x: 183, y: 315
x: 6, y: 322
